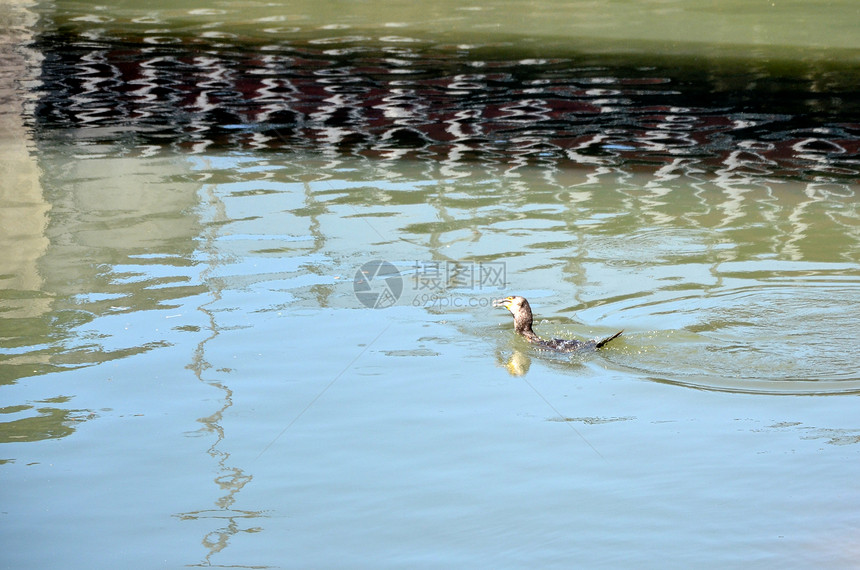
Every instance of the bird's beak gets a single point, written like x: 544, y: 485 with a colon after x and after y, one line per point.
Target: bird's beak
x: 501, y: 303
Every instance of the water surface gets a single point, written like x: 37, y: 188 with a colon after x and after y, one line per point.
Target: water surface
x: 189, y: 368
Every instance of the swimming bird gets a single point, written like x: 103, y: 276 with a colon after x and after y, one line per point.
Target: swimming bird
x: 522, y: 312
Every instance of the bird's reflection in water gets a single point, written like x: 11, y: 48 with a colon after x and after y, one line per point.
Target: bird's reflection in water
x: 517, y: 363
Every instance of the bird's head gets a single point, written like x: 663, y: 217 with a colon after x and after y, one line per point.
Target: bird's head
x: 514, y: 303
x: 520, y: 309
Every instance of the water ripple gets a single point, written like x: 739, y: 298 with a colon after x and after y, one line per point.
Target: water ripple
x: 776, y: 335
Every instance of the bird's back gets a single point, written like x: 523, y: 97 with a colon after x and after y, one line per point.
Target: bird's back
x: 573, y: 345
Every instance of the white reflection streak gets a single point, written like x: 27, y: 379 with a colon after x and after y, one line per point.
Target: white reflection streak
x: 658, y: 189
x: 594, y: 140
x: 733, y: 206
x: 144, y: 94
x: 404, y: 108
x: 91, y: 79
x: 285, y: 100
x: 669, y: 135
x: 462, y: 126
x: 213, y: 72
x: 268, y: 102
x: 331, y: 105
x: 593, y: 177
x: 730, y: 178
x: 523, y: 148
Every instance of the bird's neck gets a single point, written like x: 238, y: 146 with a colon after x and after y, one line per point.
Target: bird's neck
x: 530, y: 335
x: 523, y: 326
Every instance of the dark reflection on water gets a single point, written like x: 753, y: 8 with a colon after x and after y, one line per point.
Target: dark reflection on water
x: 396, y: 97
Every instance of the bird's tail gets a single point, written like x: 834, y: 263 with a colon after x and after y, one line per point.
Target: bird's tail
x: 600, y: 343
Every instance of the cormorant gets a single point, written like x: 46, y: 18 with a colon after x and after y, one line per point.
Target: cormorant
x: 522, y: 312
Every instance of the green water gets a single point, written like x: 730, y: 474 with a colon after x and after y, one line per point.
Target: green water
x: 791, y: 30
x: 189, y: 377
